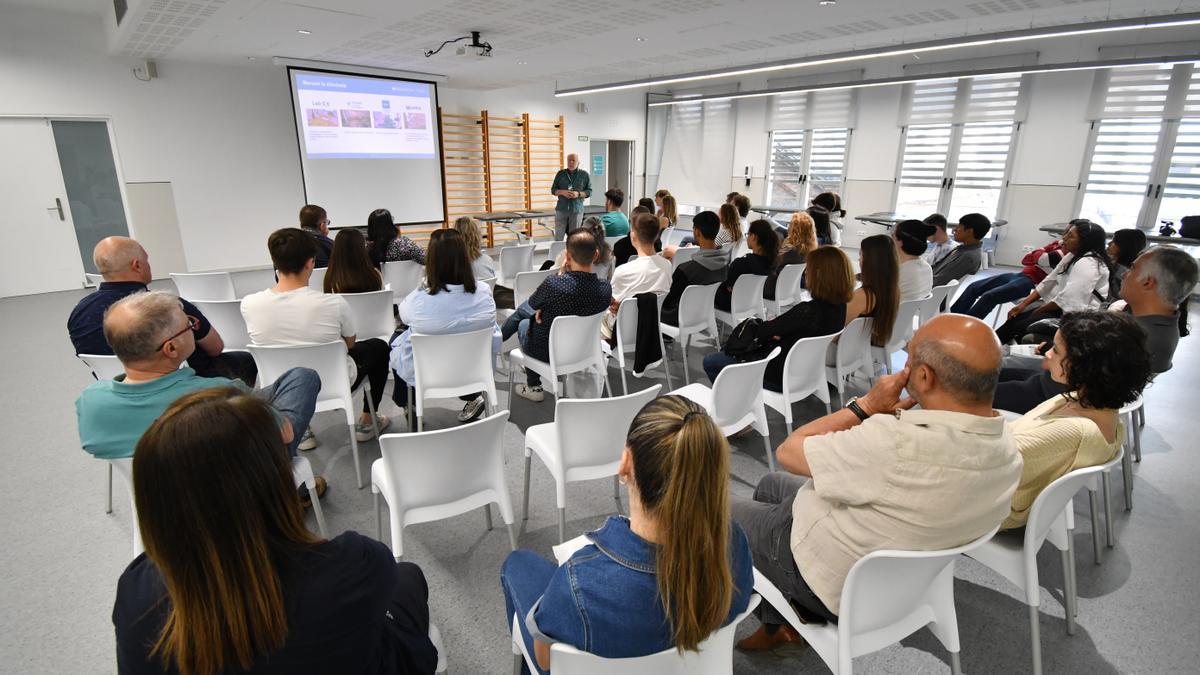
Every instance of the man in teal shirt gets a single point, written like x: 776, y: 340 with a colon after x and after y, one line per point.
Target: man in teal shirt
x: 616, y: 224
x: 152, y: 337
x: 572, y: 186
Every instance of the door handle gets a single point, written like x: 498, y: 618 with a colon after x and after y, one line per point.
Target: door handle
x: 58, y: 207
x: 1149, y: 189
x: 944, y: 179
x: 1158, y: 191
x: 951, y: 183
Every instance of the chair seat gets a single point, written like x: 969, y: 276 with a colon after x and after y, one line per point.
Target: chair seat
x: 543, y: 441
x: 1005, y: 554
x: 519, y: 359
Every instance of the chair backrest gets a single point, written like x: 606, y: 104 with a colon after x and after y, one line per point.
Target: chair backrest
x: 603, y: 271
x: 804, y: 367
x: 591, y: 432
x: 442, y: 473
x: 738, y: 389
x: 1052, y: 502
x: 246, y: 282
x: 514, y: 259
x: 226, y: 317
x: 124, y: 467
x: 613, y: 240
x: 938, y: 295
x: 316, y: 280
x: 372, y: 313
x: 747, y: 296
x: 787, y: 284
x: 103, y: 366
x: 696, y: 307
x: 714, y: 656
x: 403, y: 277
x: 902, y: 329
x: 575, y: 343
x: 683, y: 255
x: 628, y: 316
x: 556, y: 247
x: 855, y: 339
x: 528, y: 282
x: 204, y: 286
x: 328, y: 359
x: 94, y: 279
x: 453, y: 364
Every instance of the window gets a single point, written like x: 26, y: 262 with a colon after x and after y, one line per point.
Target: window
x: 979, y: 172
x: 1119, y: 175
x: 1182, y: 194
x: 827, y: 160
x: 923, y: 169
x: 787, y: 165
x: 805, y: 164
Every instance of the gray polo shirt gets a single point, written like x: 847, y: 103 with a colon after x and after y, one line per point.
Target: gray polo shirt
x: 963, y: 260
x: 1162, y: 337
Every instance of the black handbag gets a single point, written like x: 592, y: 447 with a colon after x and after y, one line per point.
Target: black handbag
x: 745, y: 342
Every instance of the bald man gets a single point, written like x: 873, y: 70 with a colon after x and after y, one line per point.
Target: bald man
x: 125, y: 266
x: 883, y: 473
x: 572, y: 186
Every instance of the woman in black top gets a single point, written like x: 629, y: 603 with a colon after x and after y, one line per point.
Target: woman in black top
x: 764, y: 250
x: 232, y: 581
x: 800, y: 240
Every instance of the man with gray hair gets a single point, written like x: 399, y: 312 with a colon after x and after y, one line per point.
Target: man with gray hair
x: 572, y: 186
x: 125, y: 266
x: 883, y: 474
x: 152, y: 336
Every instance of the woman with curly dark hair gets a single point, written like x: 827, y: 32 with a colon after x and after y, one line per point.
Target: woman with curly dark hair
x: 1101, y: 359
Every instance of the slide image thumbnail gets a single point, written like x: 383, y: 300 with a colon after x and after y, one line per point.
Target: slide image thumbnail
x: 414, y: 120
x: 356, y: 118
x: 321, y: 118
x: 387, y: 120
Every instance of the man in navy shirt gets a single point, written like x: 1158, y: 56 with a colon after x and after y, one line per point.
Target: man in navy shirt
x: 315, y: 221
x: 125, y: 267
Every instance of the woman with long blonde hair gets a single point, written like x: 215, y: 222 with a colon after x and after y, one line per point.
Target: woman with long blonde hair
x: 669, y: 213
x: 731, y: 225
x: 481, y: 263
x: 669, y: 575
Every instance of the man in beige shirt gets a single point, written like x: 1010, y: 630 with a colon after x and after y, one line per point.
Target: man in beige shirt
x: 884, y: 475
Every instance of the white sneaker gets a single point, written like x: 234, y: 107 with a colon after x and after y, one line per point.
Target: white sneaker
x: 534, y: 394
x: 308, y: 441
x: 472, y: 410
x: 365, y: 432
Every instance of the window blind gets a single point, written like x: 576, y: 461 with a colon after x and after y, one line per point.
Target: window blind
x: 968, y: 99
x: 827, y: 159
x: 787, y: 163
x: 925, y: 151
x: 812, y: 110
x: 1183, y: 176
x: 1139, y: 91
x: 991, y: 99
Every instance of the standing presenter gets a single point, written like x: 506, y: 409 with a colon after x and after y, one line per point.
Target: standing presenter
x: 572, y: 186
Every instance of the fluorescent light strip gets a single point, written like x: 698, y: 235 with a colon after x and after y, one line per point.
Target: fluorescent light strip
x: 1166, y: 21
x: 1021, y: 70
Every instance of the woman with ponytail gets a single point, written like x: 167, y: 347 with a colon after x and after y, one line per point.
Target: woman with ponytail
x: 669, y: 575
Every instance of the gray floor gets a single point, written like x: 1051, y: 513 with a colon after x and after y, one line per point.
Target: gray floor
x: 63, y: 554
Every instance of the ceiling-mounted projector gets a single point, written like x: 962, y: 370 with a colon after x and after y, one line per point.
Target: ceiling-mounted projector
x: 477, y: 49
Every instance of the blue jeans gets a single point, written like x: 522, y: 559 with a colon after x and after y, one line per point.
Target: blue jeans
x: 714, y: 362
x: 523, y: 577
x: 513, y: 323
x: 981, y: 297
x: 294, y: 395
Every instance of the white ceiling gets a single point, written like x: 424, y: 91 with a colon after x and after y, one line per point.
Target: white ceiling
x: 568, y: 43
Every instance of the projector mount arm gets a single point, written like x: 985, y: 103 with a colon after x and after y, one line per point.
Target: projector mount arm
x: 473, y: 37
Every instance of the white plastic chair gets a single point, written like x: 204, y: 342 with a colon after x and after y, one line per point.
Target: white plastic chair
x: 602, y: 271
x: 302, y: 472
x: 887, y: 596
x: 246, y: 282
x: 403, y: 277
x: 1133, y: 451
x: 330, y: 362
x: 452, y: 365
x: 514, y: 259
x: 584, y: 442
x: 204, y: 286
x: 851, y: 353
x: 574, y: 347
x: 317, y: 280
x: 803, y: 376
x: 524, y: 284
x: 728, y: 401
x: 226, y: 317
x: 372, y: 312
x: 902, y: 332
x: 626, y: 332
x: 932, y: 305
x: 432, y: 475
x: 104, y: 367
x: 124, y: 466
x: 787, y: 289
x: 714, y: 656
x: 556, y: 247
x: 1050, y: 519
x: 611, y: 241
x: 745, y: 302
x: 435, y: 636
x: 682, y: 255
x: 94, y: 279
x: 1099, y: 489
x: 696, y: 314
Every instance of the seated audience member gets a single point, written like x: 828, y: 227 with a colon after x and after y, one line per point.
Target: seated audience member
x: 1160, y: 281
x: 916, y: 276
x: 731, y: 226
x: 821, y: 221
x: 801, y: 240
x: 316, y: 222
x: 667, y: 576
x: 152, y: 337
x: 967, y: 257
x: 574, y: 291
x: 742, y: 203
x: 1079, y: 282
x: 646, y: 273
x: 1100, y: 360
x: 1125, y: 247
x: 125, y: 266
x: 879, y: 295
x: 623, y: 249
x: 981, y: 297
x: 884, y: 475
x: 387, y: 244
x: 668, y: 213
x: 658, y: 200
x: 942, y: 242
x: 350, y: 269
x: 830, y: 281
x: 290, y: 313
x: 482, y: 264
x: 450, y: 300
x: 648, y: 204
x: 594, y: 225
x: 245, y: 587
x: 764, y: 251
x: 708, y: 265
x: 615, y: 222
x: 832, y: 202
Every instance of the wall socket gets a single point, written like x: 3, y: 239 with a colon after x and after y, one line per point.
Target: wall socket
x: 1026, y: 249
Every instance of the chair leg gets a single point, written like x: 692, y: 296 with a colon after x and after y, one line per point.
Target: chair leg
x: 770, y: 454
x: 487, y: 516
x: 518, y: 661
x: 354, y: 451
x: 371, y: 409
x: 420, y: 423
x: 955, y: 664
x: 617, y: 492
x: 512, y: 536
x: 378, y: 518
x: 1108, y: 524
x: 607, y: 388
x: 316, y: 505
x: 1137, y: 438
x: 1127, y: 472
x: 410, y: 409
x: 511, y: 368
x: 1035, y: 635
x: 666, y: 369
x: 1094, y: 499
x: 562, y: 524
x: 108, y: 504
x: 687, y: 376
x: 624, y: 383
x: 1068, y: 595
x: 525, y: 515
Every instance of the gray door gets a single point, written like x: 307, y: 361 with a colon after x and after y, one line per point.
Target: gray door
x: 620, y: 170
x: 596, y: 164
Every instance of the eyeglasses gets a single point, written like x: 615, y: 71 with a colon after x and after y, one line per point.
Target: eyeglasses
x: 327, y: 222
x: 192, y: 324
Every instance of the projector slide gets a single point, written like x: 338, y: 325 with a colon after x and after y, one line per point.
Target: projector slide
x: 358, y: 117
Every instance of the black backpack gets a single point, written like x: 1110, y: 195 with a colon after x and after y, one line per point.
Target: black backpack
x: 746, y: 343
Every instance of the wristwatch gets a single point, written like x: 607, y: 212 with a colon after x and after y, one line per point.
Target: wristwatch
x: 855, y: 408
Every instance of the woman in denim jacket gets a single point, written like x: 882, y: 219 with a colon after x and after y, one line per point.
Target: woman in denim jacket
x: 678, y: 549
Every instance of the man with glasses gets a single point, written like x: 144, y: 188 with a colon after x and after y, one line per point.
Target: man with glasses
x: 152, y: 336
x: 316, y: 222
x: 572, y: 186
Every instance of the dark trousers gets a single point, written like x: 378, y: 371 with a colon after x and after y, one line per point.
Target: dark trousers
x: 980, y: 298
x: 371, y: 357
x: 408, y: 612
x: 767, y: 522
x: 230, y: 365
x: 1015, y: 328
x: 1020, y: 391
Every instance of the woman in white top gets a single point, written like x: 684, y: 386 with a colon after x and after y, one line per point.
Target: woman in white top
x: 1079, y: 282
x: 916, y: 275
x: 832, y: 202
x: 942, y: 242
x: 449, y: 300
x: 731, y: 226
x: 481, y: 263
